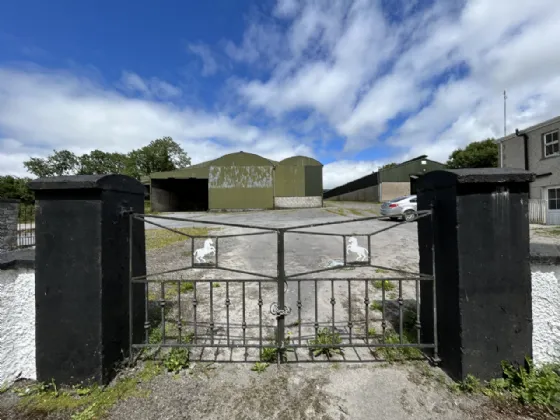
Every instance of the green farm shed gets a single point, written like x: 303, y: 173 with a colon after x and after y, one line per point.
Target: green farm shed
x: 239, y: 181
x: 298, y: 182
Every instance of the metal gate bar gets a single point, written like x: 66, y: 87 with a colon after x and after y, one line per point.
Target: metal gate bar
x: 281, y: 342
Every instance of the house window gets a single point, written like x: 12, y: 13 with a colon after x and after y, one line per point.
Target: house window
x: 554, y: 198
x: 551, y: 144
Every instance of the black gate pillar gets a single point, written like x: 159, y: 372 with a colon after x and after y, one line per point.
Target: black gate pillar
x: 82, y: 275
x: 479, y: 237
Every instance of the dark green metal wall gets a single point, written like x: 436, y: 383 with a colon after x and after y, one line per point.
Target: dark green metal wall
x: 402, y: 172
x: 298, y: 176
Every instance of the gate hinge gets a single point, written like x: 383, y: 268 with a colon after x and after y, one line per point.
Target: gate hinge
x: 126, y: 211
x: 276, y: 311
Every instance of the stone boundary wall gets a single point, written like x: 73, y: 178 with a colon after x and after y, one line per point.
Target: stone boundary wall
x: 8, y: 224
x: 297, y: 202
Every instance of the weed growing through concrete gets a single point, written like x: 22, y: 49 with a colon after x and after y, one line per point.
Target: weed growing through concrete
x: 329, y: 339
x: 378, y: 284
x: 260, y: 367
x: 376, y: 306
x: 270, y: 354
x: 177, y: 359
x: 372, y: 332
x: 381, y: 271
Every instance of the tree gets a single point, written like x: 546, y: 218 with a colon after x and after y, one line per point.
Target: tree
x: 14, y: 187
x: 479, y: 154
x: 158, y: 156
x: 389, y: 165
x: 61, y: 162
x: 98, y: 162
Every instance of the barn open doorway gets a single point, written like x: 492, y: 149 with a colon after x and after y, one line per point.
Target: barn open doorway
x: 171, y: 194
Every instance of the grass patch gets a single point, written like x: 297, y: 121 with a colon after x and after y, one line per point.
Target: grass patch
x: 160, y: 238
x: 554, y: 232
x: 148, y: 208
x: 326, y: 337
x: 379, y: 284
x: 381, y: 271
x: 393, y: 354
x: 82, y: 403
x: 270, y: 354
x: 376, y: 306
x: 336, y: 210
x: 355, y: 212
x: 537, y: 389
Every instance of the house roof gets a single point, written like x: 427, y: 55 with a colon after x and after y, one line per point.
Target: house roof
x: 531, y: 128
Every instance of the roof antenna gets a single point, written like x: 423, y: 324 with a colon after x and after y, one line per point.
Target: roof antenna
x: 505, y: 100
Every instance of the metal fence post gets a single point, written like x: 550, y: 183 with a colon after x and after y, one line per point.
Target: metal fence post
x: 280, y: 321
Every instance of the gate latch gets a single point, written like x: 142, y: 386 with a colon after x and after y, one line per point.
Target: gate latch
x: 276, y: 311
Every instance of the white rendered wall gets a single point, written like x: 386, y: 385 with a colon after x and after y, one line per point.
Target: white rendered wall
x: 17, y: 324
x: 546, y: 313
x: 297, y: 202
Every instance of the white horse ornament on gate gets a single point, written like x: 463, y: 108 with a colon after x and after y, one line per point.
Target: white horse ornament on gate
x: 357, y: 249
x: 207, y: 249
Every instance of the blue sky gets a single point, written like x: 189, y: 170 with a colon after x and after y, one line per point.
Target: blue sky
x: 355, y: 84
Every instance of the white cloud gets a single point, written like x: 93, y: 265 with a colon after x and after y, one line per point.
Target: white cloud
x: 56, y: 110
x: 331, y: 70
x: 209, y: 63
x: 360, y: 70
x: 343, y: 171
x: 152, y: 88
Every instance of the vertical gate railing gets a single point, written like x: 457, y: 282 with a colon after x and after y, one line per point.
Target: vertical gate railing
x: 346, y: 336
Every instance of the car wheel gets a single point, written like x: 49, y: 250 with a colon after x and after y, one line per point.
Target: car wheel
x: 409, y: 215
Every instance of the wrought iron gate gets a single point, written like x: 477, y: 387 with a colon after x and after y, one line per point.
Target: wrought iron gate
x: 204, y: 317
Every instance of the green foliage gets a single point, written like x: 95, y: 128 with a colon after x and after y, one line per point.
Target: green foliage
x: 98, y: 162
x: 479, y: 154
x: 392, y: 354
x: 177, y: 359
x: 326, y: 337
x: 388, y: 166
x: 527, y: 385
x: 378, y: 284
x: 14, y: 187
x: 260, y: 367
x: 81, y: 403
x: 160, y: 155
x: 376, y: 306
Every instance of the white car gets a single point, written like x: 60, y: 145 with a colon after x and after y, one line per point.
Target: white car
x: 404, y: 208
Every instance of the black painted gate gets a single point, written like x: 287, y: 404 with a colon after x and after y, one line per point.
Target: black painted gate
x: 284, y: 315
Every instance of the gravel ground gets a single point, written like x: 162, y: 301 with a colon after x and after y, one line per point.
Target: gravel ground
x: 392, y: 249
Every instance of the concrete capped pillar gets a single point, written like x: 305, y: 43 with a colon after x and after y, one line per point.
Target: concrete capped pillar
x: 82, y: 268
x: 479, y: 238
x: 8, y: 224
